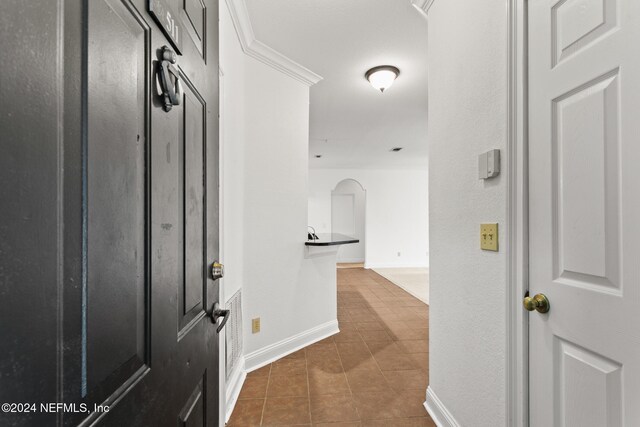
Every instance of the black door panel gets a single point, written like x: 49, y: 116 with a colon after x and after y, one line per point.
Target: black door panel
x: 109, y: 214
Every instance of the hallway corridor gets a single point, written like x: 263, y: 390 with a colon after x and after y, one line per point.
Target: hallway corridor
x: 373, y: 373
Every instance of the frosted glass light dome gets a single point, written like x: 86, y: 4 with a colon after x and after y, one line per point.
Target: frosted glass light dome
x: 382, y: 77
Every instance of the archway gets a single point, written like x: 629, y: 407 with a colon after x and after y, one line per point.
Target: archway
x: 348, y: 217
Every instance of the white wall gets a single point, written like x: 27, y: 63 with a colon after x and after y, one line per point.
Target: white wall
x: 396, y: 216
x: 467, y: 115
x: 232, y: 141
x: 265, y: 121
x: 277, y: 277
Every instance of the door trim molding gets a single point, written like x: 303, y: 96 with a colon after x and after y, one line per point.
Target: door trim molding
x: 223, y: 386
x: 264, y: 356
x: 234, y: 387
x: 263, y: 53
x: 422, y: 5
x: 517, y: 388
x: 438, y: 412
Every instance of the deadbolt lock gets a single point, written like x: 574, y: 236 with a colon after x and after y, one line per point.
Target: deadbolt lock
x: 539, y: 302
x: 217, y: 270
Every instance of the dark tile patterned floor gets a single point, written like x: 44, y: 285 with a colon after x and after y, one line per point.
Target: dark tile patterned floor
x: 373, y: 373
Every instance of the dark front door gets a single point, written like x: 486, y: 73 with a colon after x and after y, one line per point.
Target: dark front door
x: 110, y: 213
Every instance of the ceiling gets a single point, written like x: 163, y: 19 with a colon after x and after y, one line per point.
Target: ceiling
x: 351, y: 124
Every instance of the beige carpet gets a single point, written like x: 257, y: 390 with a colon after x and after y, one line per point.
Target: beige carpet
x: 413, y: 280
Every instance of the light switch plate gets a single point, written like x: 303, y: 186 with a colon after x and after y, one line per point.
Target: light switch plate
x: 489, y: 237
x: 255, y: 325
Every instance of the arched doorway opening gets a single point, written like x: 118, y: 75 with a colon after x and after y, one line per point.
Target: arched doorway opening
x: 348, y: 217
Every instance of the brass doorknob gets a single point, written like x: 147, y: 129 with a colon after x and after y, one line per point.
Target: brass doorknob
x: 539, y: 302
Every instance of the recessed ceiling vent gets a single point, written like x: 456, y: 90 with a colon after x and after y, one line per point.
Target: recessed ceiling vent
x: 396, y: 149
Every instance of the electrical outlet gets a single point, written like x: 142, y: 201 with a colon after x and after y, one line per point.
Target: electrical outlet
x: 255, y: 325
x: 398, y: 253
x: 489, y: 237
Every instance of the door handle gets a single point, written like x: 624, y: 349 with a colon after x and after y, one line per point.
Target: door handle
x: 539, y: 302
x: 216, y: 313
x: 171, y: 89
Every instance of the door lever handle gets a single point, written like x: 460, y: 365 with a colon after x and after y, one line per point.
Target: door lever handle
x: 216, y: 313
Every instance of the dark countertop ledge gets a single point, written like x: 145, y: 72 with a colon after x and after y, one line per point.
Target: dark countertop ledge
x: 331, y: 239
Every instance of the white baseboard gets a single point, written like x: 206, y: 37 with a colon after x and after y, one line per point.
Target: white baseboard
x: 439, y: 413
x: 350, y: 260
x: 374, y: 265
x: 234, y: 386
x: 273, y: 352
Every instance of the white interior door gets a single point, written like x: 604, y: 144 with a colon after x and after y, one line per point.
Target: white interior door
x: 584, y: 172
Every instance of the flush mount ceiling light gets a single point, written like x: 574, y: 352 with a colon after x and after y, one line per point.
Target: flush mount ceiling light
x: 382, y: 77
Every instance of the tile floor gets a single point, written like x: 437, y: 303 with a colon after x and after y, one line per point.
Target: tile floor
x: 373, y: 373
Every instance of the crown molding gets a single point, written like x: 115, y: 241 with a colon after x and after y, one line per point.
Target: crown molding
x: 422, y: 5
x: 263, y: 53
